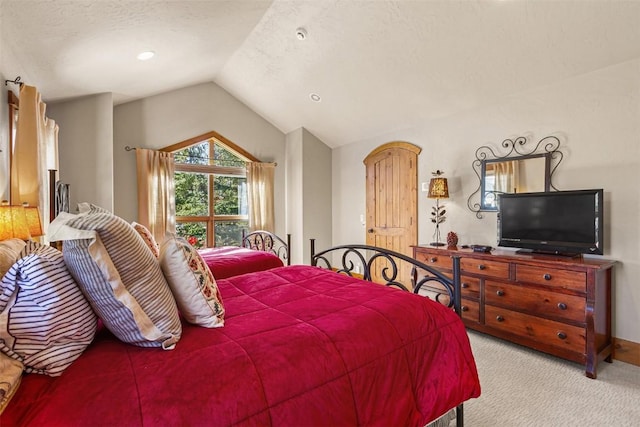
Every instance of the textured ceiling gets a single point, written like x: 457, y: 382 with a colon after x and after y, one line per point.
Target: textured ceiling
x: 378, y: 65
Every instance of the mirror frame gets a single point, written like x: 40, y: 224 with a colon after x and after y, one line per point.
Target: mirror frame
x: 515, y: 149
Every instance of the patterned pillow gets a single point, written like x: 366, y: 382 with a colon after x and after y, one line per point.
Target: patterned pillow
x: 122, y: 280
x: 191, y: 282
x: 45, y: 321
x: 10, y: 376
x: 148, y: 238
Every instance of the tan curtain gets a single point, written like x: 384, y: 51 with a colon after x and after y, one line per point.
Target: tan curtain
x: 260, y: 178
x: 506, y: 174
x: 156, y: 195
x: 35, y: 151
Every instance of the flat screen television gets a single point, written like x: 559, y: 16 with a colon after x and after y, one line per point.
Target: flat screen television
x: 564, y: 223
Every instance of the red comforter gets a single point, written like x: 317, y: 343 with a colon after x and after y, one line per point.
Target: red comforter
x: 228, y: 261
x: 301, y: 346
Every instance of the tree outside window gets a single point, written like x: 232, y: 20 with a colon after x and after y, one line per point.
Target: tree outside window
x: 211, y: 194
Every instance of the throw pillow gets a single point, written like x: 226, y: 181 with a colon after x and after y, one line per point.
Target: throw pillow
x: 148, y: 238
x: 10, y: 376
x: 45, y: 321
x: 122, y: 280
x: 191, y: 282
x: 9, y: 253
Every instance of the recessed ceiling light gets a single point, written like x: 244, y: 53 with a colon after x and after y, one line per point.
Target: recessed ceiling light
x: 315, y: 97
x: 148, y: 54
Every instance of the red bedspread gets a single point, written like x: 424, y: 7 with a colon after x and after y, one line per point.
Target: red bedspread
x: 300, y: 346
x: 228, y: 261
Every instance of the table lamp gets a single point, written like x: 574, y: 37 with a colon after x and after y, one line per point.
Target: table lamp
x: 438, y: 189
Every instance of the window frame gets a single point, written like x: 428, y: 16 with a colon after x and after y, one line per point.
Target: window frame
x: 212, y: 137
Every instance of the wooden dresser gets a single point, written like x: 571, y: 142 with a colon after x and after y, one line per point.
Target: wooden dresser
x: 558, y: 305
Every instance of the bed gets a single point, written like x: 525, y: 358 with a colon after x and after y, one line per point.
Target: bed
x: 260, y: 250
x: 399, y: 271
x: 288, y: 346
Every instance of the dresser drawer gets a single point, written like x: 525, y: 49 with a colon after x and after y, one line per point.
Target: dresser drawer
x: 439, y: 261
x: 536, y: 301
x: 470, y: 310
x: 485, y: 267
x: 535, y: 328
x: 470, y: 287
x: 567, y: 279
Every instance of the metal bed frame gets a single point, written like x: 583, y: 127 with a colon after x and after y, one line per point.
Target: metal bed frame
x: 262, y: 240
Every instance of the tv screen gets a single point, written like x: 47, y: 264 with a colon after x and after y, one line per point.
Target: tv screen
x: 560, y: 223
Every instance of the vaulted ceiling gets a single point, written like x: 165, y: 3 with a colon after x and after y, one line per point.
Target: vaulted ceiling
x: 377, y: 65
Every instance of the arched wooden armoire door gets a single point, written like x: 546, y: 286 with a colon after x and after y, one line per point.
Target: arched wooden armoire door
x: 392, y: 197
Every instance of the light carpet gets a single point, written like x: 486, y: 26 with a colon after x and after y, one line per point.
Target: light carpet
x: 523, y: 387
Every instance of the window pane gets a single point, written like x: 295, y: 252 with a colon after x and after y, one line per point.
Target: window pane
x: 192, y: 194
x: 231, y: 195
x: 194, y: 232
x: 196, y: 154
x: 229, y: 233
x: 224, y: 157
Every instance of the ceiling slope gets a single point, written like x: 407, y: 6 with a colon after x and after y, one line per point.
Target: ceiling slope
x: 378, y: 66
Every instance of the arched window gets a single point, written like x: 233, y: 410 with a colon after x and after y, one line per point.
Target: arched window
x: 211, y: 190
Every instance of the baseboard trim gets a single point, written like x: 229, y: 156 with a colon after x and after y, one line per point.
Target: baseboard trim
x: 626, y: 351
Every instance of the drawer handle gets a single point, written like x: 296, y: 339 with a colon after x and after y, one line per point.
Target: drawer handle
x: 464, y: 308
x: 547, y: 276
x: 481, y: 267
x: 562, y: 306
x: 500, y: 293
x: 464, y: 285
x: 499, y: 318
x: 562, y: 335
x: 433, y: 259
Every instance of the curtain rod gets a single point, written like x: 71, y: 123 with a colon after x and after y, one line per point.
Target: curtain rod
x: 16, y: 81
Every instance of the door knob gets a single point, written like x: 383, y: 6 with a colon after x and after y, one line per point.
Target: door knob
x: 370, y: 230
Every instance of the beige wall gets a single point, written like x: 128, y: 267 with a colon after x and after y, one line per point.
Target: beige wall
x: 295, y: 206
x: 85, y: 151
x: 4, y: 143
x: 316, y: 192
x: 308, y: 193
x: 595, y: 116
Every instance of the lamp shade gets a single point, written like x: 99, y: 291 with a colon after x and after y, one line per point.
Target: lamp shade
x: 13, y: 223
x: 438, y: 188
x: 33, y: 221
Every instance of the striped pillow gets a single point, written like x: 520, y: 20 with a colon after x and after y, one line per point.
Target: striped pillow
x: 191, y: 282
x: 123, y: 281
x: 45, y: 321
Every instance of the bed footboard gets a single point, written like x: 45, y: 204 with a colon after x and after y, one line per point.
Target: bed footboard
x: 266, y: 241
x: 369, y: 262
x: 361, y: 261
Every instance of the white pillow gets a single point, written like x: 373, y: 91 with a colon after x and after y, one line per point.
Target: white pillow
x: 191, y: 282
x: 45, y: 321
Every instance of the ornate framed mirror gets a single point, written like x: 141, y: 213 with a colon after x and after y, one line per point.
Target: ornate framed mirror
x: 520, y: 169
